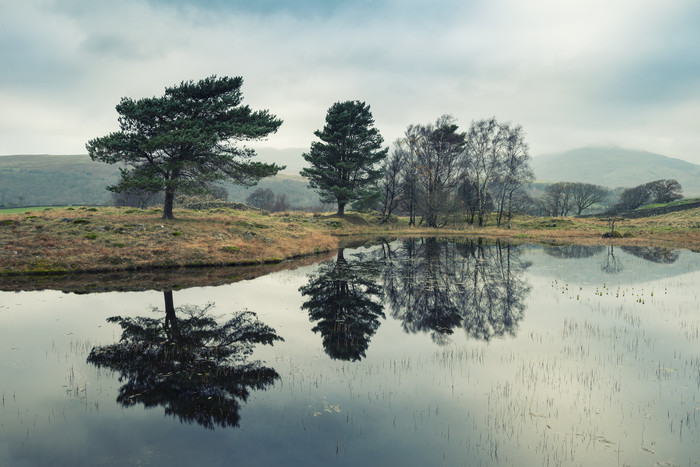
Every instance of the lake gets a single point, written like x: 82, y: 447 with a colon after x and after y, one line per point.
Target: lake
x: 418, y: 351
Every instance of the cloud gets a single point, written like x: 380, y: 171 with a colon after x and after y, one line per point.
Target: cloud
x: 572, y: 73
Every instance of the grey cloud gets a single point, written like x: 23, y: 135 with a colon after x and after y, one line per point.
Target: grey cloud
x: 118, y: 46
x: 565, y: 70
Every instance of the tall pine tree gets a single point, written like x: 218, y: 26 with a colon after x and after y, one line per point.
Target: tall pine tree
x: 345, y: 164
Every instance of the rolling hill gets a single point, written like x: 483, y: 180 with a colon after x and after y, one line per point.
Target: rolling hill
x: 45, y: 180
x: 616, y: 167
x: 40, y: 180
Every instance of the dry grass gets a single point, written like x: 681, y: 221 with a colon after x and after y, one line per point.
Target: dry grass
x: 114, y: 239
x: 679, y: 230
x: 106, y: 239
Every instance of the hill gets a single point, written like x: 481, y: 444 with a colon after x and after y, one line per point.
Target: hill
x: 45, y: 180
x: 294, y: 186
x: 616, y: 167
x: 289, y: 157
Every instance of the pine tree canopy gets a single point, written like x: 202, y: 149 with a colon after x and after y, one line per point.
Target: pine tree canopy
x: 345, y: 163
x: 184, y: 140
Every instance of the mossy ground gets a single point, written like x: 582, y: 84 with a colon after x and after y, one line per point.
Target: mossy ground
x: 59, y: 240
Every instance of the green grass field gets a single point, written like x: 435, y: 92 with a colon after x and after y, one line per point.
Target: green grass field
x: 30, y: 209
x: 673, y: 203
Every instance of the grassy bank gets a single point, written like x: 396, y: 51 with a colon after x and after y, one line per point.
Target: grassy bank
x: 59, y: 240
x: 110, y: 239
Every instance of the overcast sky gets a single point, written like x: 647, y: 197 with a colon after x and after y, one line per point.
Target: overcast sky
x: 572, y: 73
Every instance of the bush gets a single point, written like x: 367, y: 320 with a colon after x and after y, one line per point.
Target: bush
x: 613, y: 234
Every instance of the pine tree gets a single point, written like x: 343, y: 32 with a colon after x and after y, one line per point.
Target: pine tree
x: 184, y: 140
x: 345, y: 165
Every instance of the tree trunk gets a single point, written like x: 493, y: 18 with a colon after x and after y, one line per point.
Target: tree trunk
x: 172, y: 329
x: 501, y: 208
x: 432, y: 220
x: 510, y: 209
x: 341, y: 209
x: 168, y: 204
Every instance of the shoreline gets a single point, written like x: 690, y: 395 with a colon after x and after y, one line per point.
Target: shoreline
x: 106, y: 240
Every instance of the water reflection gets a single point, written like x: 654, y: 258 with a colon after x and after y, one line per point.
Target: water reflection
x: 344, y: 301
x: 185, y: 361
x: 573, y: 251
x: 654, y: 254
x: 601, y: 370
x: 437, y: 286
x: 611, y: 264
x: 430, y: 285
x: 610, y: 261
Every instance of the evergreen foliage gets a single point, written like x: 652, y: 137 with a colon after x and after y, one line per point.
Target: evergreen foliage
x: 344, y: 163
x: 184, y: 140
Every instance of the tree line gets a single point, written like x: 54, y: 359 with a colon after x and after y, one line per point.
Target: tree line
x: 433, y: 172
x: 185, y: 143
x: 567, y: 198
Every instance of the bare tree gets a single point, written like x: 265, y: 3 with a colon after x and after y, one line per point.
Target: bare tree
x: 437, y: 149
x: 515, y: 171
x: 556, y: 200
x: 409, y: 184
x: 280, y: 204
x: 483, y: 159
x: 137, y: 198
x: 262, y: 198
x: 218, y: 192
x: 468, y: 195
x: 665, y: 191
x: 632, y: 198
x: 658, y: 191
x: 392, y: 186
x: 585, y: 195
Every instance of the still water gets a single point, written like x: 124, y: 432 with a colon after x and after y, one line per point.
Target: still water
x: 406, y: 352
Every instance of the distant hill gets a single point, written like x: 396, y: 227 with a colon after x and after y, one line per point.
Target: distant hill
x: 289, y: 157
x: 616, y: 167
x: 42, y: 180
x: 294, y: 186
x: 39, y: 180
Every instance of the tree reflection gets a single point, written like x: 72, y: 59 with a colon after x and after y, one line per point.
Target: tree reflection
x: 573, y: 251
x: 419, y: 286
x: 187, y: 362
x: 653, y: 254
x: 436, y: 286
x: 344, y: 303
x: 611, y: 264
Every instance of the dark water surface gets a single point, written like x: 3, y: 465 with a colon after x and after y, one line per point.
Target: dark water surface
x: 412, y: 352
